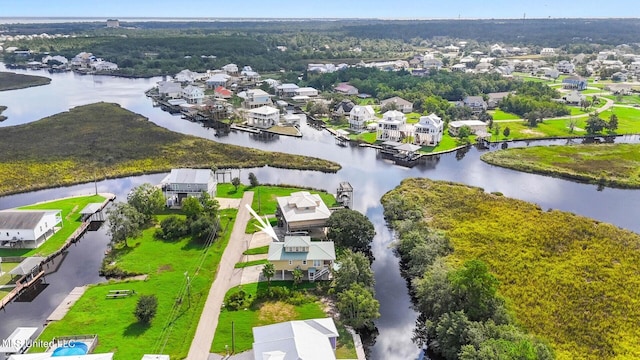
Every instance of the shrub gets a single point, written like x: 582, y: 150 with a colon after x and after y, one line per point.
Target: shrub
x: 146, y: 308
x: 238, y: 300
x: 274, y: 293
x: 172, y: 228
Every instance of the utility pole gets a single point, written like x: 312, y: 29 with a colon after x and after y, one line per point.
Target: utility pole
x: 233, y: 340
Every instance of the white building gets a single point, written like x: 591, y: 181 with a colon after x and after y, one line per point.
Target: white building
x: 28, y: 228
x: 359, y: 115
x: 313, y: 339
x: 193, y: 94
x: 104, y: 66
x: 169, y: 89
x: 255, y: 98
x: 565, y: 67
x: 302, y: 211
x: 428, y: 131
x: 548, y: 52
x: 182, y: 183
x: 231, y: 69
x: 306, y: 91
x: 263, y: 117
x: 476, y: 126
x: 217, y: 80
x: 392, y: 126
x: 287, y: 90
x: 113, y: 23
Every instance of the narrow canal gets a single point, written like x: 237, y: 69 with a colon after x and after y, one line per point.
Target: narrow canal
x: 370, y: 176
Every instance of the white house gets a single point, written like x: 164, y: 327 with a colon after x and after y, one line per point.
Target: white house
x: 306, y: 91
x: 255, y: 98
x: 392, y: 126
x: 476, y: 126
x: 313, y: 339
x: 400, y: 103
x: 548, y: 52
x: 231, y: 69
x: 565, y: 67
x: 186, y: 76
x: 476, y: 103
x: 302, y: 211
x: 28, y: 228
x: 263, y: 117
x: 574, y: 98
x: 193, y: 94
x: 217, y: 80
x: 287, y: 90
x: 359, y: 115
x: 169, y: 89
x: 181, y: 183
x: 428, y: 130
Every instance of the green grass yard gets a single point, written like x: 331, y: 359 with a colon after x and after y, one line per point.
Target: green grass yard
x: 501, y: 115
x: 245, y: 264
x: 166, y: 263
x: 6, y: 278
x: 626, y: 99
x: 267, y: 313
x: 71, y: 208
x: 257, y: 251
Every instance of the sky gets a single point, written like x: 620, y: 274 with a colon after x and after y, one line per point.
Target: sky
x: 394, y: 9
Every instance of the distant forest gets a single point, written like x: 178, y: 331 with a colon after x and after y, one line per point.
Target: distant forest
x: 530, y: 32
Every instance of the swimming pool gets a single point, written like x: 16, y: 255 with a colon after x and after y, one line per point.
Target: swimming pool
x: 72, y: 348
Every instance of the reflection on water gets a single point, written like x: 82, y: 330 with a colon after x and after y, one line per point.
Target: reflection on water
x: 369, y: 175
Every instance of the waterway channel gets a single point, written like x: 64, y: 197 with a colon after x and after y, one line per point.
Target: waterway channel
x: 370, y: 176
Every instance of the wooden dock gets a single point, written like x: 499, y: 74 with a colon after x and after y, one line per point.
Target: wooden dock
x: 20, y: 286
x: 66, y: 304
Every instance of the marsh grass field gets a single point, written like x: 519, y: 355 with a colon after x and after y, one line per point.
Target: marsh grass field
x: 13, y: 81
x: 103, y: 140
x: 615, y: 165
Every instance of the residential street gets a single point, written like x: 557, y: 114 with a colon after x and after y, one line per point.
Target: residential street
x: 203, y: 338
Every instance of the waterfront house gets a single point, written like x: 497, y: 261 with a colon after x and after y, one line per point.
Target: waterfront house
x: 392, y: 127
x: 313, y: 339
x: 400, y: 104
x: 169, y: 89
x: 428, y: 131
x: 548, y: 52
x: 181, y: 183
x: 574, y: 83
x: 222, y: 93
x: 104, y: 66
x: 186, y: 76
x: 477, y: 127
x: 193, y: 94
x: 263, y: 117
x: 313, y: 258
x: 255, y: 98
x: 302, y: 211
x: 28, y: 228
x: 359, y: 115
x: 343, y: 108
x: 346, y: 89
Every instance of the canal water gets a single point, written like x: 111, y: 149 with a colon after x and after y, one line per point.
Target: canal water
x: 369, y: 175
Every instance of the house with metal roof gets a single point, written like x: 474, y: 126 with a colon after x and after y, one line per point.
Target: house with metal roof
x: 314, y: 258
x: 313, y: 339
x: 392, y: 126
x: 182, y: 183
x: 28, y: 228
x: 428, y: 130
x: 359, y: 115
x: 263, y: 117
x: 302, y: 211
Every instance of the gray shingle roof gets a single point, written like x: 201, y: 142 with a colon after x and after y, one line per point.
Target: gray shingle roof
x: 20, y: 219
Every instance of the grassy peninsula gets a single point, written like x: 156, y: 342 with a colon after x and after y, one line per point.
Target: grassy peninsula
x: 2, y: 108
x: 615, y: 165
x: 566, y: 278
x: 13, y: 81
x: 107, y: 141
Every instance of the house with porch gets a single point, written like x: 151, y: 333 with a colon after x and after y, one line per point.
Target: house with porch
x: 28, y: 228
x: 314, y: 258
x: 346, y: 89
x: 359, y: 115
x: 343, y: 108
x: 314, y: 339
x: 428, y: 131
x: 230, y: 69
x: 476, y: 103
x: 182, y: 183
x: 169, y: 89
x: 477, y: 127
x: 574, y: 98
x: 400, y: 104
x: 392, y: 127
x: 574, y: 83
x: 193, y: 94
x: 263, y: 117
x: 217, y: 80
x: 302, y: 211
x: 565, y: 67
x: 287, y: 90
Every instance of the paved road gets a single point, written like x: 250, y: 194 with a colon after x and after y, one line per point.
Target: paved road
x: 203, y: 338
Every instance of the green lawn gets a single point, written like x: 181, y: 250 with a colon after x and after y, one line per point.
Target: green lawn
x: 245, y: 264
x: 264, y: 198
x: 447, y: 143
x: 6, y: 278
x: 70, y: 219
x: 166, y: 263
x: 576, y: 110
x: 626, y: 99
x: 267, y: 313
x: 368, y: 137
x: 413, y: 118
x: 591, y: 91
x: 257, y: 251
x: 252, y: 228
x: 501, y: 115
